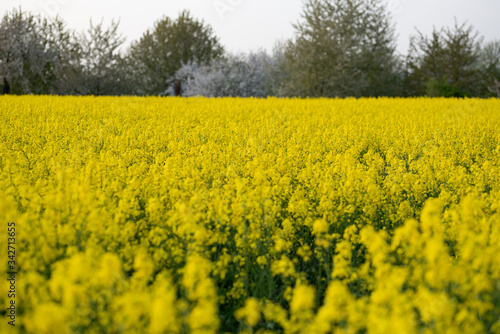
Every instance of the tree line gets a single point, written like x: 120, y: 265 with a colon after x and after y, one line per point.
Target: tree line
x: 340, y: 48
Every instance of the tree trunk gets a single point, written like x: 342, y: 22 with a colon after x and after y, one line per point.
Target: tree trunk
x: 495, y: 89
x: 98, y: 88
x: 6, y: 87
x: 178, y: 88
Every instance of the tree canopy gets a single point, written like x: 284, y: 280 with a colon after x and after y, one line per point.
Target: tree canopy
x: 447, y: 62
x: 162, y: 51
x: 342, y: 48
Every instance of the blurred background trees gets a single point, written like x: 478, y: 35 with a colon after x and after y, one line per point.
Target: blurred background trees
x: 101, y: 66
x: 162, y: 51
x: 490, y: 68
x: 25, y: 55
x: 447, y: 63
x: 341, y: 48
x: 38, y: 56
x: 231, y: 75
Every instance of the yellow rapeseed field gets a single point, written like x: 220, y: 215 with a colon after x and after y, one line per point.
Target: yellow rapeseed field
x: 171, y: 215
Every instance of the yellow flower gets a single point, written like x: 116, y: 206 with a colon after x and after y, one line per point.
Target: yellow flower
x: 249, y: 313
x: 303, y: 298
x: 320, y: 226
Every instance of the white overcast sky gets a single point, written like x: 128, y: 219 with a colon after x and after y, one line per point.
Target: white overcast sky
x: 244, y: 25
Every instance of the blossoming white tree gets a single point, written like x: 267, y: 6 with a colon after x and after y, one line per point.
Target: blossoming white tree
x: 233, y: 75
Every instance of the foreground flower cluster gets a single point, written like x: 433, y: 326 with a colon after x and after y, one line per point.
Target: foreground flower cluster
x: 170, y: 215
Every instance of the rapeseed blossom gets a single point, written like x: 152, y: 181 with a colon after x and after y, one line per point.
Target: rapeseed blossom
x: 170, y: 215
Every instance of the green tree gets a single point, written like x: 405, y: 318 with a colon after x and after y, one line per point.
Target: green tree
x: 162, y: 51
x: 446, y: 63
x: 341, y: 48
x: 490, y: 68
